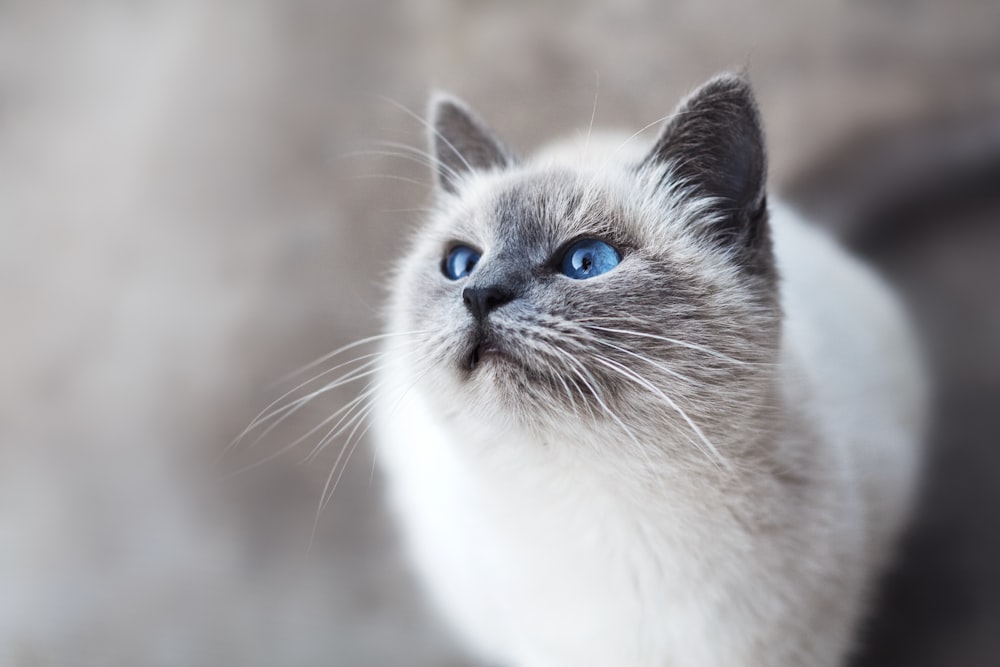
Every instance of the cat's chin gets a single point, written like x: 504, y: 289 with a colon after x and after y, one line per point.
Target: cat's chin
x: 492, y: 365
x: 484, y: 354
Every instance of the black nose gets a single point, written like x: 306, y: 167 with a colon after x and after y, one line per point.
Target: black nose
x: 481, y: 300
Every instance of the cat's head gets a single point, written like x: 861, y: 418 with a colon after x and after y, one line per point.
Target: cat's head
x: 605, y: 289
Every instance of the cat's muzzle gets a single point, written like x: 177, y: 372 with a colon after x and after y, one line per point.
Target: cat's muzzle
x: 483, y: 348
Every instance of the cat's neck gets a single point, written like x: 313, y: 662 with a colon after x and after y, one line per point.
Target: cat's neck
x: 629, y: 455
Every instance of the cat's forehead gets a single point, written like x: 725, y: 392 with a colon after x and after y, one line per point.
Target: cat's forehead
x: 538, y: 208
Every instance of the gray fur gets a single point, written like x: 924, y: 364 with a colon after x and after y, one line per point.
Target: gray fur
x: 675, y: 280
x: 692, y: 403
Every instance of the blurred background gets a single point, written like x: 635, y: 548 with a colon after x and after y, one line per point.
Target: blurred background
x: 186, y: 218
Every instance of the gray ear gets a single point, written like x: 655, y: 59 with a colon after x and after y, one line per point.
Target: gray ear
x: 715, y: 144
x: 462, y: 143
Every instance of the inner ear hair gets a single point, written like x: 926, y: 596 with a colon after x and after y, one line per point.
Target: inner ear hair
x: 714, y: 143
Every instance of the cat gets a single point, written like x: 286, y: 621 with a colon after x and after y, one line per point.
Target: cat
x: 631, y: 412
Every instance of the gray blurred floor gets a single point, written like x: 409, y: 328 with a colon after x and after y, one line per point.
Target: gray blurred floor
x: 181, y: 229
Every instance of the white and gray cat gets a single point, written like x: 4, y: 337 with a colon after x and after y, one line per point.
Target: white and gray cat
x: 634, y: 414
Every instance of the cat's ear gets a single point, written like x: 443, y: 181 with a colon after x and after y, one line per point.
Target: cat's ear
x: 714, y: 145
x: 461, y: 143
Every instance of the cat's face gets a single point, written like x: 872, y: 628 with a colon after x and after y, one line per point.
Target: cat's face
x: 608, y: 292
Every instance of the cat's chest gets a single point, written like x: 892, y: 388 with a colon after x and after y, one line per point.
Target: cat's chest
x: 522, y: 536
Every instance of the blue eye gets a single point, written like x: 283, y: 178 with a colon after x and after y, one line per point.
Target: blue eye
x: 588, y: 258
x: 460, y: 262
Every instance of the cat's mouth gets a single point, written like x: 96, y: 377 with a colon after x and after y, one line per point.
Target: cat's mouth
x: 498, y: 359
x: 484, y: 349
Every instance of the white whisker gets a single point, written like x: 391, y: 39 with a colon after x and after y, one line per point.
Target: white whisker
x: 392, y: 177
x: 593, y: 112
x: 351, y: 346
x: 607, y: 410
x: 420, y: 119
x: 665, y: 369
x: 666, y: 339
x: 266, y: 414
x: 718, y: 461
x: 428, y: 158
x: 333, y: 479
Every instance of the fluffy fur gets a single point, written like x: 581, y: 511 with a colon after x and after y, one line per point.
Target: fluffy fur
x: 702, y: 457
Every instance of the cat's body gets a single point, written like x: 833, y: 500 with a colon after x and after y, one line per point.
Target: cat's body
x: 701, y: 457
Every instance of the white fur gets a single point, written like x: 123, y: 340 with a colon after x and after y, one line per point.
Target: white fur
x: 545, y: 556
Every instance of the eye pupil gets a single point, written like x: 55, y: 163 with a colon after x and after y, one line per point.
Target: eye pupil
x: 459, y: 262
x: 588, y: 258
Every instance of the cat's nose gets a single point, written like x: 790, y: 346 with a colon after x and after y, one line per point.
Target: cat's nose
x: 481, y: 300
